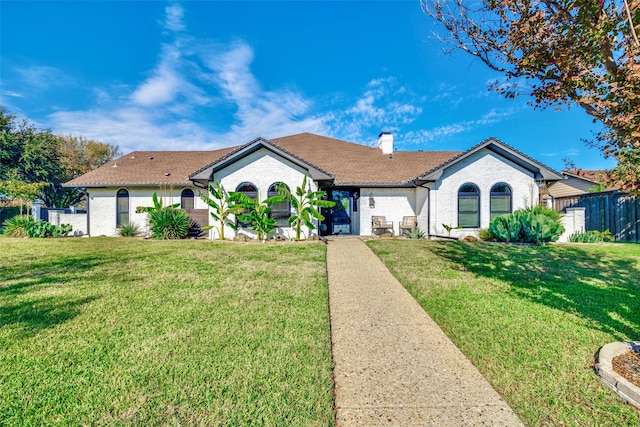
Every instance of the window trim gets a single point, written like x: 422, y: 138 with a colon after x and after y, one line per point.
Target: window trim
x: 282, y: 220
x: 492, y: 193
x: 183, y: 197
x: 252, y: 194
x: 120, y: 194
x: 471, y: 194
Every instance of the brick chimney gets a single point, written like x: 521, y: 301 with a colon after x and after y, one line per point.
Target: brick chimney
x: 385, y: 142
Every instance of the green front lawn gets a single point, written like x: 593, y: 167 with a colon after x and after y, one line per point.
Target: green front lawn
x: 530, y: 318
x: 108, y: 331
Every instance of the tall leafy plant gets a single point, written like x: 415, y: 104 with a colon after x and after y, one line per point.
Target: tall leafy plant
x: 166, y: 222
x: 257, y: 212
x: 305, y: 202
x: 157, y: 205
x: 222, y: 207
x: 169, y: 223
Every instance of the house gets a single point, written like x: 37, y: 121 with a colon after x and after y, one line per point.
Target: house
x: 576, y: 183
x: 463, y: 189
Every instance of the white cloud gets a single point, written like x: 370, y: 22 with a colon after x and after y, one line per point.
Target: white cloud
x: 173, y: 19
x: 44, y: 77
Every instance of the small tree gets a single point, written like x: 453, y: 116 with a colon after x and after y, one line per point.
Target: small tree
x: 305, y: 203
x: 259, y: 213
x: 20, y: 191
x: 223, y: 206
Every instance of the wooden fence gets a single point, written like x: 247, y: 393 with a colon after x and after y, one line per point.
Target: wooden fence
x: 614, y: 211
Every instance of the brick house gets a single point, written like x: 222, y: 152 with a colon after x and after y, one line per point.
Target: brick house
x: 457, y: 188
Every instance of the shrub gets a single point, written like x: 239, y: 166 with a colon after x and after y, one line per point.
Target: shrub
x: 540, y: 228
x: 544, y: 210
x: 17, y: 226
x: 414, y: 233
x: 129, y: 230
x: 169, y: 223
x: 485, y: 235
x: 44, y: 229
x: 585, y: 237
x: 506, y: 228
x: 532, y: 225
x: 591, y: 236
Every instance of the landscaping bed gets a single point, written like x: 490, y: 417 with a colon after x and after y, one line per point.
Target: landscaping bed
x: 112, y: 331
x: 530, y: 318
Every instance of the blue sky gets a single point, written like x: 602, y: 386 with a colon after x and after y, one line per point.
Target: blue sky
x: 198, y: 75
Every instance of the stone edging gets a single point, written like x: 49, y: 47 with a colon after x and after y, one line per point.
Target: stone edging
x: 628, y: 392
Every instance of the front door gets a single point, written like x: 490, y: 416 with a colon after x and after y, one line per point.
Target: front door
x: 342, y: 212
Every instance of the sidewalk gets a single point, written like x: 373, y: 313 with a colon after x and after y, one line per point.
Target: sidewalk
x: 393, y: 364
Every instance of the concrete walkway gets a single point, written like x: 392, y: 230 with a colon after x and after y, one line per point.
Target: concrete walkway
x: 393, y: 364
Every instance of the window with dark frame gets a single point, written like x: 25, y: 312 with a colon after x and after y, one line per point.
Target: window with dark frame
x: 187, y: 199
x: 122, y: 207
x: 249, y: 190
x: 280, y: 211
x: 469, y: 206
x: 500, y: 200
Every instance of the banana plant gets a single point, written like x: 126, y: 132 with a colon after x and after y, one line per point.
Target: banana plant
x: 257, y: 212
x: 305, y: 203
x: 157, y: 205
x: 223, y: 205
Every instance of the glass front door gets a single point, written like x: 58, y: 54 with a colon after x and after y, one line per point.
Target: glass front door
x: 342, y: 212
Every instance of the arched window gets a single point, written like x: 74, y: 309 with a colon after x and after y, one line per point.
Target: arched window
x: 469, y: 206
x: 249, y: 190
x: 122, y: 207
x: 280, y: 211
x: 187, y: 199
x: 500, y: 200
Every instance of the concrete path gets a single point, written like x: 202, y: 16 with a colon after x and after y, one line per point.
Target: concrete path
x: 393, y: 364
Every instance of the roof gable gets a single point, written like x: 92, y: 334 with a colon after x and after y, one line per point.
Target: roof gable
x: 539, y: 170
x: 206, y: 173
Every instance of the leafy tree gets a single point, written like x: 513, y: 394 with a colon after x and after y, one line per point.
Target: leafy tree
x: 33, y: 155
x: 305, y: 202
x: 257, y: 212
x: 20, y: 191
x: 560, y: 52
x: 223, y: 206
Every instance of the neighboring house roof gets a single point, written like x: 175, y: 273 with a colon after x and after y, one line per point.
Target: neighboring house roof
x: 539, y: 170
x: 328, y: 160
x: 594, y: 176
x: 578, y: 182
x: 142, y: 168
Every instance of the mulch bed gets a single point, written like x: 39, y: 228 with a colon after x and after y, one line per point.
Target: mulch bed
x: 628, y: 366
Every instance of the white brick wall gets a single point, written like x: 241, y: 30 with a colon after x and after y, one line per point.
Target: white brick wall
x: 573, y: 220
x: 262, y: 168
x: 393, y: 203
x: 102, y: 206
x: 483, y: 169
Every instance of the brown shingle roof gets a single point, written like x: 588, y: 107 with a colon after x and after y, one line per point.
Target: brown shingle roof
x: 358, y: 164
x: 149, y: 168
x: 351, y: 164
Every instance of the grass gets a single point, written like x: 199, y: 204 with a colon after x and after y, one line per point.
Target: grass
x: 107, y: 331
x: 530, y: 318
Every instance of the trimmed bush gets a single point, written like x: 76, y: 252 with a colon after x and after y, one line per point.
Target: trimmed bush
x: 537, y: 226
x: 169, y: 223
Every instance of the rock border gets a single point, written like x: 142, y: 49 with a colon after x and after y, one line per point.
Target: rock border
x: 627, y: 391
